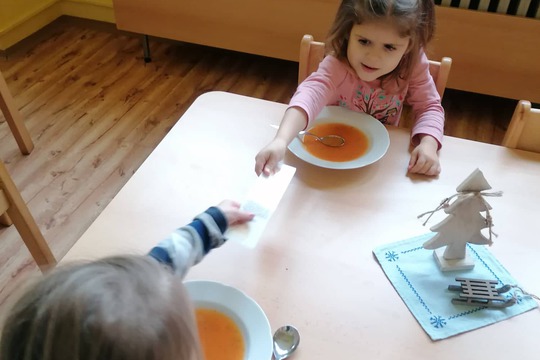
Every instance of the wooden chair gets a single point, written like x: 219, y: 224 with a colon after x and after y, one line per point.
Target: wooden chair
x: 312, y: 52
x: 13, y: 210
x: 524, y: 129
x: 14, y: 119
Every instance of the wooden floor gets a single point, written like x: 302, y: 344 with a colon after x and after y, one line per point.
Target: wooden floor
x: 95, y: 111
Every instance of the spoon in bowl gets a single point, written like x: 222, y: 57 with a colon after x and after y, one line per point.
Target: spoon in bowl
x: 286, y: 340
x: 328, y: 140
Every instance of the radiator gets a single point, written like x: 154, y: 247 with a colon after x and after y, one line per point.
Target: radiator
x: 524, y: 8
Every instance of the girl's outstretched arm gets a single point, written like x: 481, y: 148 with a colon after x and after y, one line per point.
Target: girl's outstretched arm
x: 267, y: 160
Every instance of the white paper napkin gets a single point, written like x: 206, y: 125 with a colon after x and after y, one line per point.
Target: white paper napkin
x: 262, y: 199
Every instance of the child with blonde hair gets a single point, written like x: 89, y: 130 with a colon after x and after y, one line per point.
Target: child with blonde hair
x: 375, y: 63
x: 119, y: 308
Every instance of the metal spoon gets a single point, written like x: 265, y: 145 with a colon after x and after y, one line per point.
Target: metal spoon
x: 286, y: 340
x: 328, y: 140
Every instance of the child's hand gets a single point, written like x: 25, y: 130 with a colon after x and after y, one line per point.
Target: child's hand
x: 424, y: 158
x: 267, y: 160
x: 233, y: 214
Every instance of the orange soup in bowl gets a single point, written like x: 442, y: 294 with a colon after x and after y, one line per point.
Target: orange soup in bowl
x: 356, y: 142
x: 221, y: 338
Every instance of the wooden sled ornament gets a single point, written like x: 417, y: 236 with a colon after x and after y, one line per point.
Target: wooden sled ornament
x: 477, y: 292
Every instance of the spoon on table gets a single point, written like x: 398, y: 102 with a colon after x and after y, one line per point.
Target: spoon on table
x: 286, y: 340
x: 328, y: 140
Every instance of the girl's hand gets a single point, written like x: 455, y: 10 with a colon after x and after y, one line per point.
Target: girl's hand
x: 424, y: 158
x: 268, y: 159
x: 233, y: 214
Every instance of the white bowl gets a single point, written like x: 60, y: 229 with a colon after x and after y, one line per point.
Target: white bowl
x: 374, y: 130
x: 245, y: 312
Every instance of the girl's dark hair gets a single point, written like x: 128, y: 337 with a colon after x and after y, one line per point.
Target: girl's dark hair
x: 413, y: 18
x: 118, y: 308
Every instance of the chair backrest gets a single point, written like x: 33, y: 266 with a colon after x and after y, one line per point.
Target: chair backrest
x: 312, y: 52
x: 524, y: 129
x: 13, y: 210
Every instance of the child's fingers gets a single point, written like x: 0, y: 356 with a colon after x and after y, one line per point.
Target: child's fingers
x: 266, y: 171
x: 259, y: 166
x: 229, y: 203
x: 431, y: 168
x: 412, y: 161
x: 271, y: 167
x: 245, y: 216
x: 240, y: 217
x: 434, y: 170
x: 416, y: 164
x: 265, y: 165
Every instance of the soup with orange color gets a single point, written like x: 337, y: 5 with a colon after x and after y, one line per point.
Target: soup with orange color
x: 221, y: 338
x: 356, y: 142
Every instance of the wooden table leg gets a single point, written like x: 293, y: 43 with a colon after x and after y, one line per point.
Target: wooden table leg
x: 14, y: 119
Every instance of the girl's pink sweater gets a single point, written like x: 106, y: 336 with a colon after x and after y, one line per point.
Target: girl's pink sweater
x: 336, y: 83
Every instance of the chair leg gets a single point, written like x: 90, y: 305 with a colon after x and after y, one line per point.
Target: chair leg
x: 5, y: 220
x: 24, y: 222
x: 146, y: 49
x: 14, y: 119
x: 32, y: 237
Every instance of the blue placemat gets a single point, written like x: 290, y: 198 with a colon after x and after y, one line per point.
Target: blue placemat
x: 415, y: 275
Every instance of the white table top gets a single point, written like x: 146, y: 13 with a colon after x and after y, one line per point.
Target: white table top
x: 313, y: 266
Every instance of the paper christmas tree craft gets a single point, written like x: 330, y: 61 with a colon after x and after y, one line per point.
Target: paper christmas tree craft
x: 463, y: 224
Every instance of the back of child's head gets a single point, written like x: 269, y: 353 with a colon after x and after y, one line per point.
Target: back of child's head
x: 413, y: 18
x: 118, y: 308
